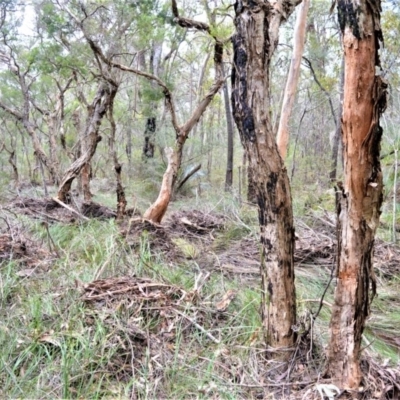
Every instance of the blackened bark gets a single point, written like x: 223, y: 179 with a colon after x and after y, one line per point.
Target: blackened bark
x: 121, y: 198
x: 251, y: 185
x: 229, y: 124
x: 97, y: 111
x: 149, y: 137
x: 257, y: 28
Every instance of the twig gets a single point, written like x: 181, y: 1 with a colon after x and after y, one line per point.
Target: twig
x: 269, y: 384
x: 199, y: 327
x: 325, y: 303
x: 51, y: 241
x: 61, y: 203
x: 321, y: 303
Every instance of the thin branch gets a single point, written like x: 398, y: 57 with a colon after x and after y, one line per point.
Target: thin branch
x: 11, y: 111
x: 199, y: 327
x: 308, y: 62
x: 61, y: 203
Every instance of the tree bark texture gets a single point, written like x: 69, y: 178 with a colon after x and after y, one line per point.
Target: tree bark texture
x: 293, y: 78
x: 360, y: 196
x: 229, y: 124
x: 149, y: 137
x: 151, y: 123
x: 121, y: 198
x: 257, y: 28
x: 338, y: 130
x: 97, y: 110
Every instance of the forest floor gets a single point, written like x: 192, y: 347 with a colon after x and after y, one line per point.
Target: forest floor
x: 92, y: 308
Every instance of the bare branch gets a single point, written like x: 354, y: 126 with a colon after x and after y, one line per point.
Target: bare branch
x: 16, y: 114
x: 308, y: 62
x: 186, y: 22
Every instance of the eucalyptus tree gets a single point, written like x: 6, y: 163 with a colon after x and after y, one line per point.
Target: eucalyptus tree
x: 257, y: 32
x: 108, y: 22
x: 23, y: 78
x: 360, y: 195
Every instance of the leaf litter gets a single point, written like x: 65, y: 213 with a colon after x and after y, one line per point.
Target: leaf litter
x: 156, y: 312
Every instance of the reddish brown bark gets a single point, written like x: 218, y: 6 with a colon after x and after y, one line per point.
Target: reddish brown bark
x: 360, y: 196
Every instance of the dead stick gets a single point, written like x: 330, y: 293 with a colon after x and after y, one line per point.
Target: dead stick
x: 324, y: 302
x: 70, y: 208
x: 199, y: 327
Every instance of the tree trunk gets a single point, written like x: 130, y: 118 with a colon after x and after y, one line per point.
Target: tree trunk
x: 251, y: 185
x: 293, y: 78
x: 338, y: 130
x: 156, y: 211
x: 360, y: 196
x: 257, y: 28
x: 97, y: 111
x: 229, y: 124
x: 121, y: 198
x: 149, y: 137
x: 150, y: 130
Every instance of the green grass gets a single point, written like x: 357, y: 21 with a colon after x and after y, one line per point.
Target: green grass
x: 53, y: 346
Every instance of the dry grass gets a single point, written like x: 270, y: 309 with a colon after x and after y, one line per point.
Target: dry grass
x: 142, y: 311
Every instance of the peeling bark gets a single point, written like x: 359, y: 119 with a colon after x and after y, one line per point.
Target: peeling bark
x: 97, y: 111
x: 360, y: 195
x: 121, y: 198
x: 257, y: 29
x: 157, y: 210
x: 338, y: 130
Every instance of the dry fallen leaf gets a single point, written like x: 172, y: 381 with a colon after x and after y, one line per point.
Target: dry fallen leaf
x: 49, y: 338
x: 226, y: 300
x: 25, y: 272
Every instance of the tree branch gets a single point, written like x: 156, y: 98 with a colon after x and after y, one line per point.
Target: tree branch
x: 308, y: 62
x: 99, y: 52
x: 17, y: 115
x: 186, y: 22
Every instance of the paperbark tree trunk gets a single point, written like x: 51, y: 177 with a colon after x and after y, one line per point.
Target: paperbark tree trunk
x: 257, y: 29
x: 293, y: 78
x: 360, y: 196
x: 151, y: 123
x: 97, y: 110
x: 121, y: 198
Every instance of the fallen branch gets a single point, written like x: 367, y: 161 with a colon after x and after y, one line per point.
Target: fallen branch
x: 188, y: 176
x: 61, y: 203
x: 324, y: 302
x: 199, y: 327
